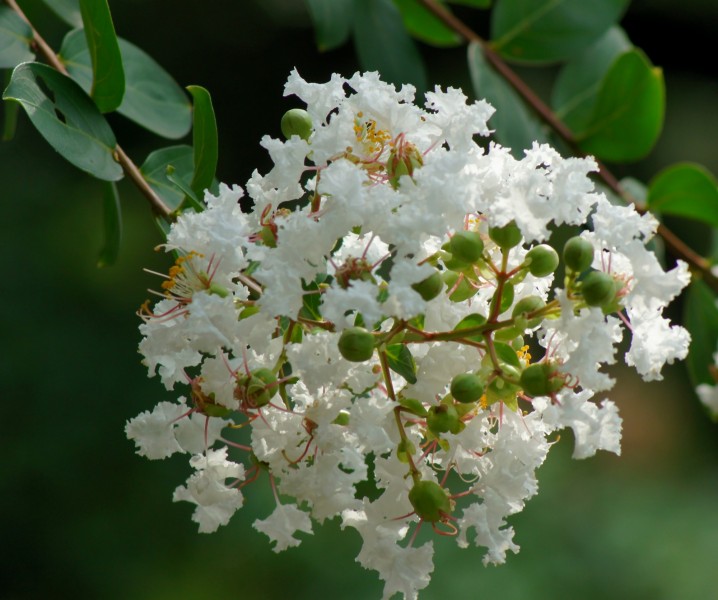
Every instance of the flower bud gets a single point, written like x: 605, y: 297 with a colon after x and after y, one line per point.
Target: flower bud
x: 430, y: 287
x: 467, y: 388
x: 527, y: 305
x: 296, y: 121
x: 356, y: 344
x: 260, y: 388
x: 405, y: 450
x: 431, y: 502
x: 542, y: 260
x: 598, y: 288
x: 443, y: 418
x: 506, y: 237
x: 539, y: 379
x: 466, y: 246
x: 578, y: 254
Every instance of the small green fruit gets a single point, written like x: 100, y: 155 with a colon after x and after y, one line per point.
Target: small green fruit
x: 431, y: 502
x: 539, y: 379
x: 506, y: 237
x: 466, y: 246
x: 356, y: 344
x: 467, y: 388
x: 542, y: 260
x: 430, y: 287
x: 578, y: 254
x: 598, y: 288
x: 296, y: 121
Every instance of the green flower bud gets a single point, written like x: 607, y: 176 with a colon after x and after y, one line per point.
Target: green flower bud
x: 443, y: 418
x: 463, y: 291
x: 506, y: 237
x: 529, y: 304
x: 542, y: 260
x: 430, y: 287
x: 356, y: 344
x: 598, y: 288
x: 431, y: 502
x: 578, y: 254
x: 404, y: 450
x: 296, y: 121
x: 539, y: 379
x: 466, y: 388
x: 466, y: 246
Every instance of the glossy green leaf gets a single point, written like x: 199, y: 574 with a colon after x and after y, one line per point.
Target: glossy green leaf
x: 9, y: 112
x: 66, y: 117
x: 332, y: 21
x: 112, y: 225
x: 700, y: 318
x: 67, y: 10
x: 204, y: 140
x: 473, y: 3
x: 15, y: 38
x: 108, y: 74
x: 550, y: 30
x: 190, y: 198
x: 628, y: 115
x: 578, y: 83
x: 507, y: 354
x: 425, y: 26
x: 152, y: 98
x: 685, y: 190
x: 154, y: 170
x: 401, y: 361
x: 515, y: 126
x: 383, y: 44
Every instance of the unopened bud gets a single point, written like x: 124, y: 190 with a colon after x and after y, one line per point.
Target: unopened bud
x: 578, y: 254
x: 296, y: 121
x: 356, y: 344
x: 542, y: 260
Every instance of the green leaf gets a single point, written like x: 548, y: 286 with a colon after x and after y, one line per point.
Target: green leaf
x: 311, y: 302
x: 383, y: 44
x: 152, y: 98
x: 15, y: 38
x: 9, y: 113
x: 469, y: 322
x: 700, y: 318
x: 204, y: 140
x: 112, y: 225
x: 507, y: 354
x: 332, y: 21
x: 108, y: 74
x: 401, y: 361
x: 426, y: 26
x: 550, y: 30
x: 154, y: 170
x: 413, y: 406
x: 628, y: 115
x: 515, y: 126
x: 578, y: 83
x: 685, y: 190
x: 66, y: 117
x: 67, y: 10
x: 473, y: 3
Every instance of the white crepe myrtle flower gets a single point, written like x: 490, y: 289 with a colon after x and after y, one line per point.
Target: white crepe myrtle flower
x: 385, y: 317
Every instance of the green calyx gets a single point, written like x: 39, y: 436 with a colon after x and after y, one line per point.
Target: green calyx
x: 578, y: 254
x: 506, y: 237
x: 444, y: 418
x: 460, y: 290
x: 260, y: 388
x: 431, y: 502
x: 356, y: 344
x: 598, y: 288
x: 466, y: 246
x: 542, y: 260
x: 430, y: 287
x: 296, y: 121
x: 467, y: 388
x: 541, y: 379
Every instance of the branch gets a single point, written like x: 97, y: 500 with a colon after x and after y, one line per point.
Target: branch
x: 675, y: 245
x: 129, y: 167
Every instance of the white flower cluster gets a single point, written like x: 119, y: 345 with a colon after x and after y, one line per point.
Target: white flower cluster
x: 373, y: 318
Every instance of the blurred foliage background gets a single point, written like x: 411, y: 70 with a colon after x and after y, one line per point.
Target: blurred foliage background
x: 83, y: 517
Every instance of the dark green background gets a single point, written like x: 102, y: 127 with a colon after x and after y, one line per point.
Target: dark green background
x: 83, y: 517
